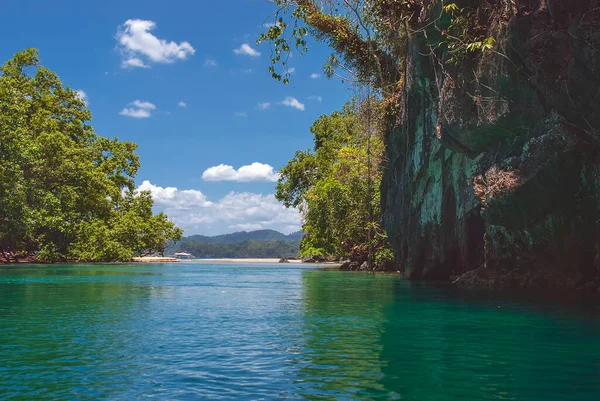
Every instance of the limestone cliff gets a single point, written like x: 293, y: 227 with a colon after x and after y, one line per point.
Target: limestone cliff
x: 493, y: 171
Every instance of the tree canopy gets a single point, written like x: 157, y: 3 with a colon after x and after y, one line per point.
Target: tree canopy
x: 336, y: 185
x: 65, y: 192
x: 369, y: 37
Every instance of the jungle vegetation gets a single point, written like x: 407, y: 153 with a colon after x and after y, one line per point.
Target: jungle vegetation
x: 67, y: 193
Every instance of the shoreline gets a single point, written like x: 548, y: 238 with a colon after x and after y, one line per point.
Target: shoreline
x: 154, y: 259
x: 242, y: 260
x: 160, y: 259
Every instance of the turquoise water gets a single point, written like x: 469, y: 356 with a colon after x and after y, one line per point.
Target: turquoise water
x: 206, y: 331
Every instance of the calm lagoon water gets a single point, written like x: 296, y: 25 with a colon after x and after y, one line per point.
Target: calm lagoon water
x: 231, y: 331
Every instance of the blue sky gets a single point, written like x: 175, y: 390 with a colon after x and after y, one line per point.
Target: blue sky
x: 167, y: 55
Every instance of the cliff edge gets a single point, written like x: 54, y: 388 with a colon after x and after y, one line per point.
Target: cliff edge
x: 493, y: 173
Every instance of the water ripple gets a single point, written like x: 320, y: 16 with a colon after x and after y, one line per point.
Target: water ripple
x: 263, y: 332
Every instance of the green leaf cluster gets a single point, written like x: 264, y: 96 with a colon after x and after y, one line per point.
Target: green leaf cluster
x: 464, y: 33
x: 65, y: 192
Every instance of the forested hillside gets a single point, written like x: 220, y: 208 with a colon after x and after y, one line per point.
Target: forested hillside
x: 243, y: 244
x: 241, y: 236
x: 245, y: 249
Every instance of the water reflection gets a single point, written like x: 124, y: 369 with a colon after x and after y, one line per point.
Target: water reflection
x: 202, y: 331
x: 78, y: 324
x: 375, y: 337
x: 343, y: 324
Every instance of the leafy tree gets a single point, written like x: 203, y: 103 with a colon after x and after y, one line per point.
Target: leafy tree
x: 66, y: 192
x: 336, y: 185
x: 369, y: 37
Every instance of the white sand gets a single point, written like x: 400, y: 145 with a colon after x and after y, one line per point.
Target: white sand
x: 155, y: 259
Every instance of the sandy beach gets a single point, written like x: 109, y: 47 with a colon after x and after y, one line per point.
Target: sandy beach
x: 155, y: 259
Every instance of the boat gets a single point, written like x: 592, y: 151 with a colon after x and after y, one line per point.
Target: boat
x: 183, y: 255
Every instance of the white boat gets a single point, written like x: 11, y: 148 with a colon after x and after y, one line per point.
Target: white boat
x: 183, y: 255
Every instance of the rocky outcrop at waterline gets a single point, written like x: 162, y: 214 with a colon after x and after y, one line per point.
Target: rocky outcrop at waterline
x: 493, y: 171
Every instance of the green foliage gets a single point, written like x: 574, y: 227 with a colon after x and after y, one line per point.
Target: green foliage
x: 464, y: 34
x: 369, y: 37
x: 384, y: 256
x: 336, y: 185
x: 64, y: 191
x: 300, y: 174
x: 365, y: 35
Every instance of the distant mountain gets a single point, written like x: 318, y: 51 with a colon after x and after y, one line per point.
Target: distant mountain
x: 246, y: 249
x: 243, y: 244
x: 241, y: 236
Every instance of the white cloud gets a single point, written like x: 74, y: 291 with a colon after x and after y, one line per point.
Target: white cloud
x: 293, y: 102
x: 141, y: 109
x: 315, y: 75
x: 182, y: 104
x: 172, y: 197
x: 83, y: 96
x: 209, y: 62
x: 133, y: 62
x: 192, y: 211
x: 136, y: 42
x: 246, y: 50
x: 264, y: 106
x: 135, y: 113
x: 253, y: 172
x: 317, y: 98
x: 246, y: 227
x: 143, y: 105
x: 242, y: 114
x: 270, y: 24
x: 291, y: 70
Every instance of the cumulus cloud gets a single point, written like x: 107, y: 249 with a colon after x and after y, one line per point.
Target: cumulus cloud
x: 293, y: 102
x: 317, y: 98
x: 315, y: 75
x: 133, y: 62
x: 83, y: 96
x: 135, y: 113
x: 182, y: 104
x: 253, y: 172
x: 246, y: 226
x: 263, y: 106
x: 192, y: 211
x: 143, y: 105
x: 136, y: 43
x: 291, y: 70
x: 172, y: 197
x: 241, y: 114
x: 141, y: 109
x: 246, y: 50
x: 209, y: 62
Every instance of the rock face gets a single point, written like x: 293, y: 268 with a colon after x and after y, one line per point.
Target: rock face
x: 493, y: 165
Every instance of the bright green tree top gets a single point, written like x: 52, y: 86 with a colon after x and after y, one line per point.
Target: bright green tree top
x: 66, y: 192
